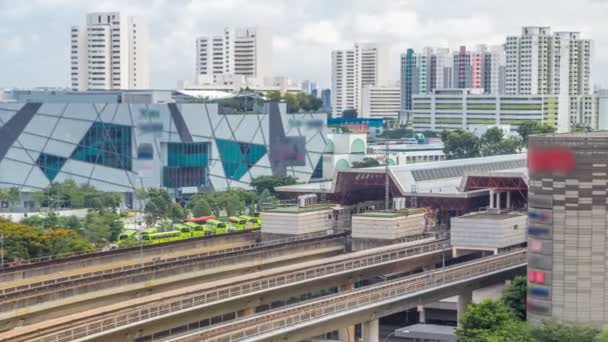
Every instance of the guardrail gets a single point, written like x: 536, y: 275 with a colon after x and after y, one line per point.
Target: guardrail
x: 284, y: 318
x: 110, y: 322
x: 161, y: 262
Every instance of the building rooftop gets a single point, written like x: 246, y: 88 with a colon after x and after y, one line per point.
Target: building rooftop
x: 297, y: 210
x: 434, y: 179
x: 391, y: 214
x: 484, y: 215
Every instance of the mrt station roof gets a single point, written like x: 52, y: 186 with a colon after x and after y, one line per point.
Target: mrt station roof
x: 462, y: 178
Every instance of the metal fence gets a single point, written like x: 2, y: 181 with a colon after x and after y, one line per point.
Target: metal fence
x: 140, y: 267
x: 197, y: 300
x: 377, y: 295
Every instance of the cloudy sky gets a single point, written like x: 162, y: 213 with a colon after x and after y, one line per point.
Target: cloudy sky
x: 34, y: 34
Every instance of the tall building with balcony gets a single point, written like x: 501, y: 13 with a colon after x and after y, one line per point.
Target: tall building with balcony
x: 543, y: 63
x: 365, y: 64
x: 109, y: 52
x: 245, y: 52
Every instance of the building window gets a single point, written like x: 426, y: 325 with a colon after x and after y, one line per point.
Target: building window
x: 237, y: 157
x: 50, y: 165
x: 107, y: 145
x: 187, y: 165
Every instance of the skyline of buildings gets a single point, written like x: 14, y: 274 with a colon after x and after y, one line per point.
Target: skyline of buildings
x: 109, y: 52
x: 536, y: 62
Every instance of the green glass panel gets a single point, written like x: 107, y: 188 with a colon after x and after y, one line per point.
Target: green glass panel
x: 237, y: 158
x: 50, y: 165
x: 106, y: 144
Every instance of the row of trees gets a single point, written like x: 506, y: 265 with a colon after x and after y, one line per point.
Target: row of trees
x: 504, y: 320
x: 23, y: 241
x: 296, y: 103
x: 460, y: 144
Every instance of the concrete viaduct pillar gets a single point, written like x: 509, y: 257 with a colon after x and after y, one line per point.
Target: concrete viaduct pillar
x: 371, y: 331
x: 464, y: 299
x: 346, y: 334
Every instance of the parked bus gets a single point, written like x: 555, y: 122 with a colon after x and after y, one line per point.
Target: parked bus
x: 156, y: 238
x: 255, y: 222
x: 220, y: 227
x: 200, y: 230
x: 239, y: 222
x: 127, y: 237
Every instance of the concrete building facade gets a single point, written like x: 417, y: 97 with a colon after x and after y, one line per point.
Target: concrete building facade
x: 567, y: 230
x: 125, y: 143
x: 462, y: 108
x: 542, y: 63
x: 352, y: 69
x: 109, y: 53
x: 380, y: 101
x: 245, y: 52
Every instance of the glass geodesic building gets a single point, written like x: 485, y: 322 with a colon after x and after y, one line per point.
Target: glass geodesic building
x: 184, y: 146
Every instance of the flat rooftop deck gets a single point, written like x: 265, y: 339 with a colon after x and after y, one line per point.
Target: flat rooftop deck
x: 483, y: 215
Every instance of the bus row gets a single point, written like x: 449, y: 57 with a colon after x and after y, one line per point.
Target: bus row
x: 190, y: 228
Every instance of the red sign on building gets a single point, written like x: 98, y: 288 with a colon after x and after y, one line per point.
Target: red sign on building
x: 555, y: 159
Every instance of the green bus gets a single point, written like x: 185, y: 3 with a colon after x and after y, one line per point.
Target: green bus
x: 239, y: 222
x: 220, y: 227
x: 187, y: 231
x: 199, y: 230
x: 146, y: 231
x: 127, y: 237
x: 156, y: 238
x: 255, y: 222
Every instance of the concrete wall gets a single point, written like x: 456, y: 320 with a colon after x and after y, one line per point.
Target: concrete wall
x: 296, y: 223
x: 471, y: 231
x: 386, y: 228
x: 16, y: 217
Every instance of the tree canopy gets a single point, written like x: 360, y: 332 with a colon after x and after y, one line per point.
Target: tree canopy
x: 514, y: 296
x: 160, y: 205
x: 23, y: 241
x: 460, y: 144
x: 69, y: 194
x: 366, y: 162
x: 299, y: 102
x: 350, y: 113
x: 530, y: 127
x: 262, y: 183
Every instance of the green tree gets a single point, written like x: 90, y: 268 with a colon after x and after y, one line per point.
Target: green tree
x: 200, y: 207
x: 398, y: 133
x: 514, y: 296
x: 349, y: 113
x: 21, y: 241
x: 485, y: 321
x: 10, y: 195
x: 62, y: 241
x: 293, y: 105
x: 366, y: 162
x: 102, y: 227
x: 553, y: 331
x: 274, y: 95
x: 158, y: 205
x: 460, y: 144
x: 493, y: 143
x: 603, y: 335
x: 530, y: 127
x: 266, y: 199
x: 262, y: 183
